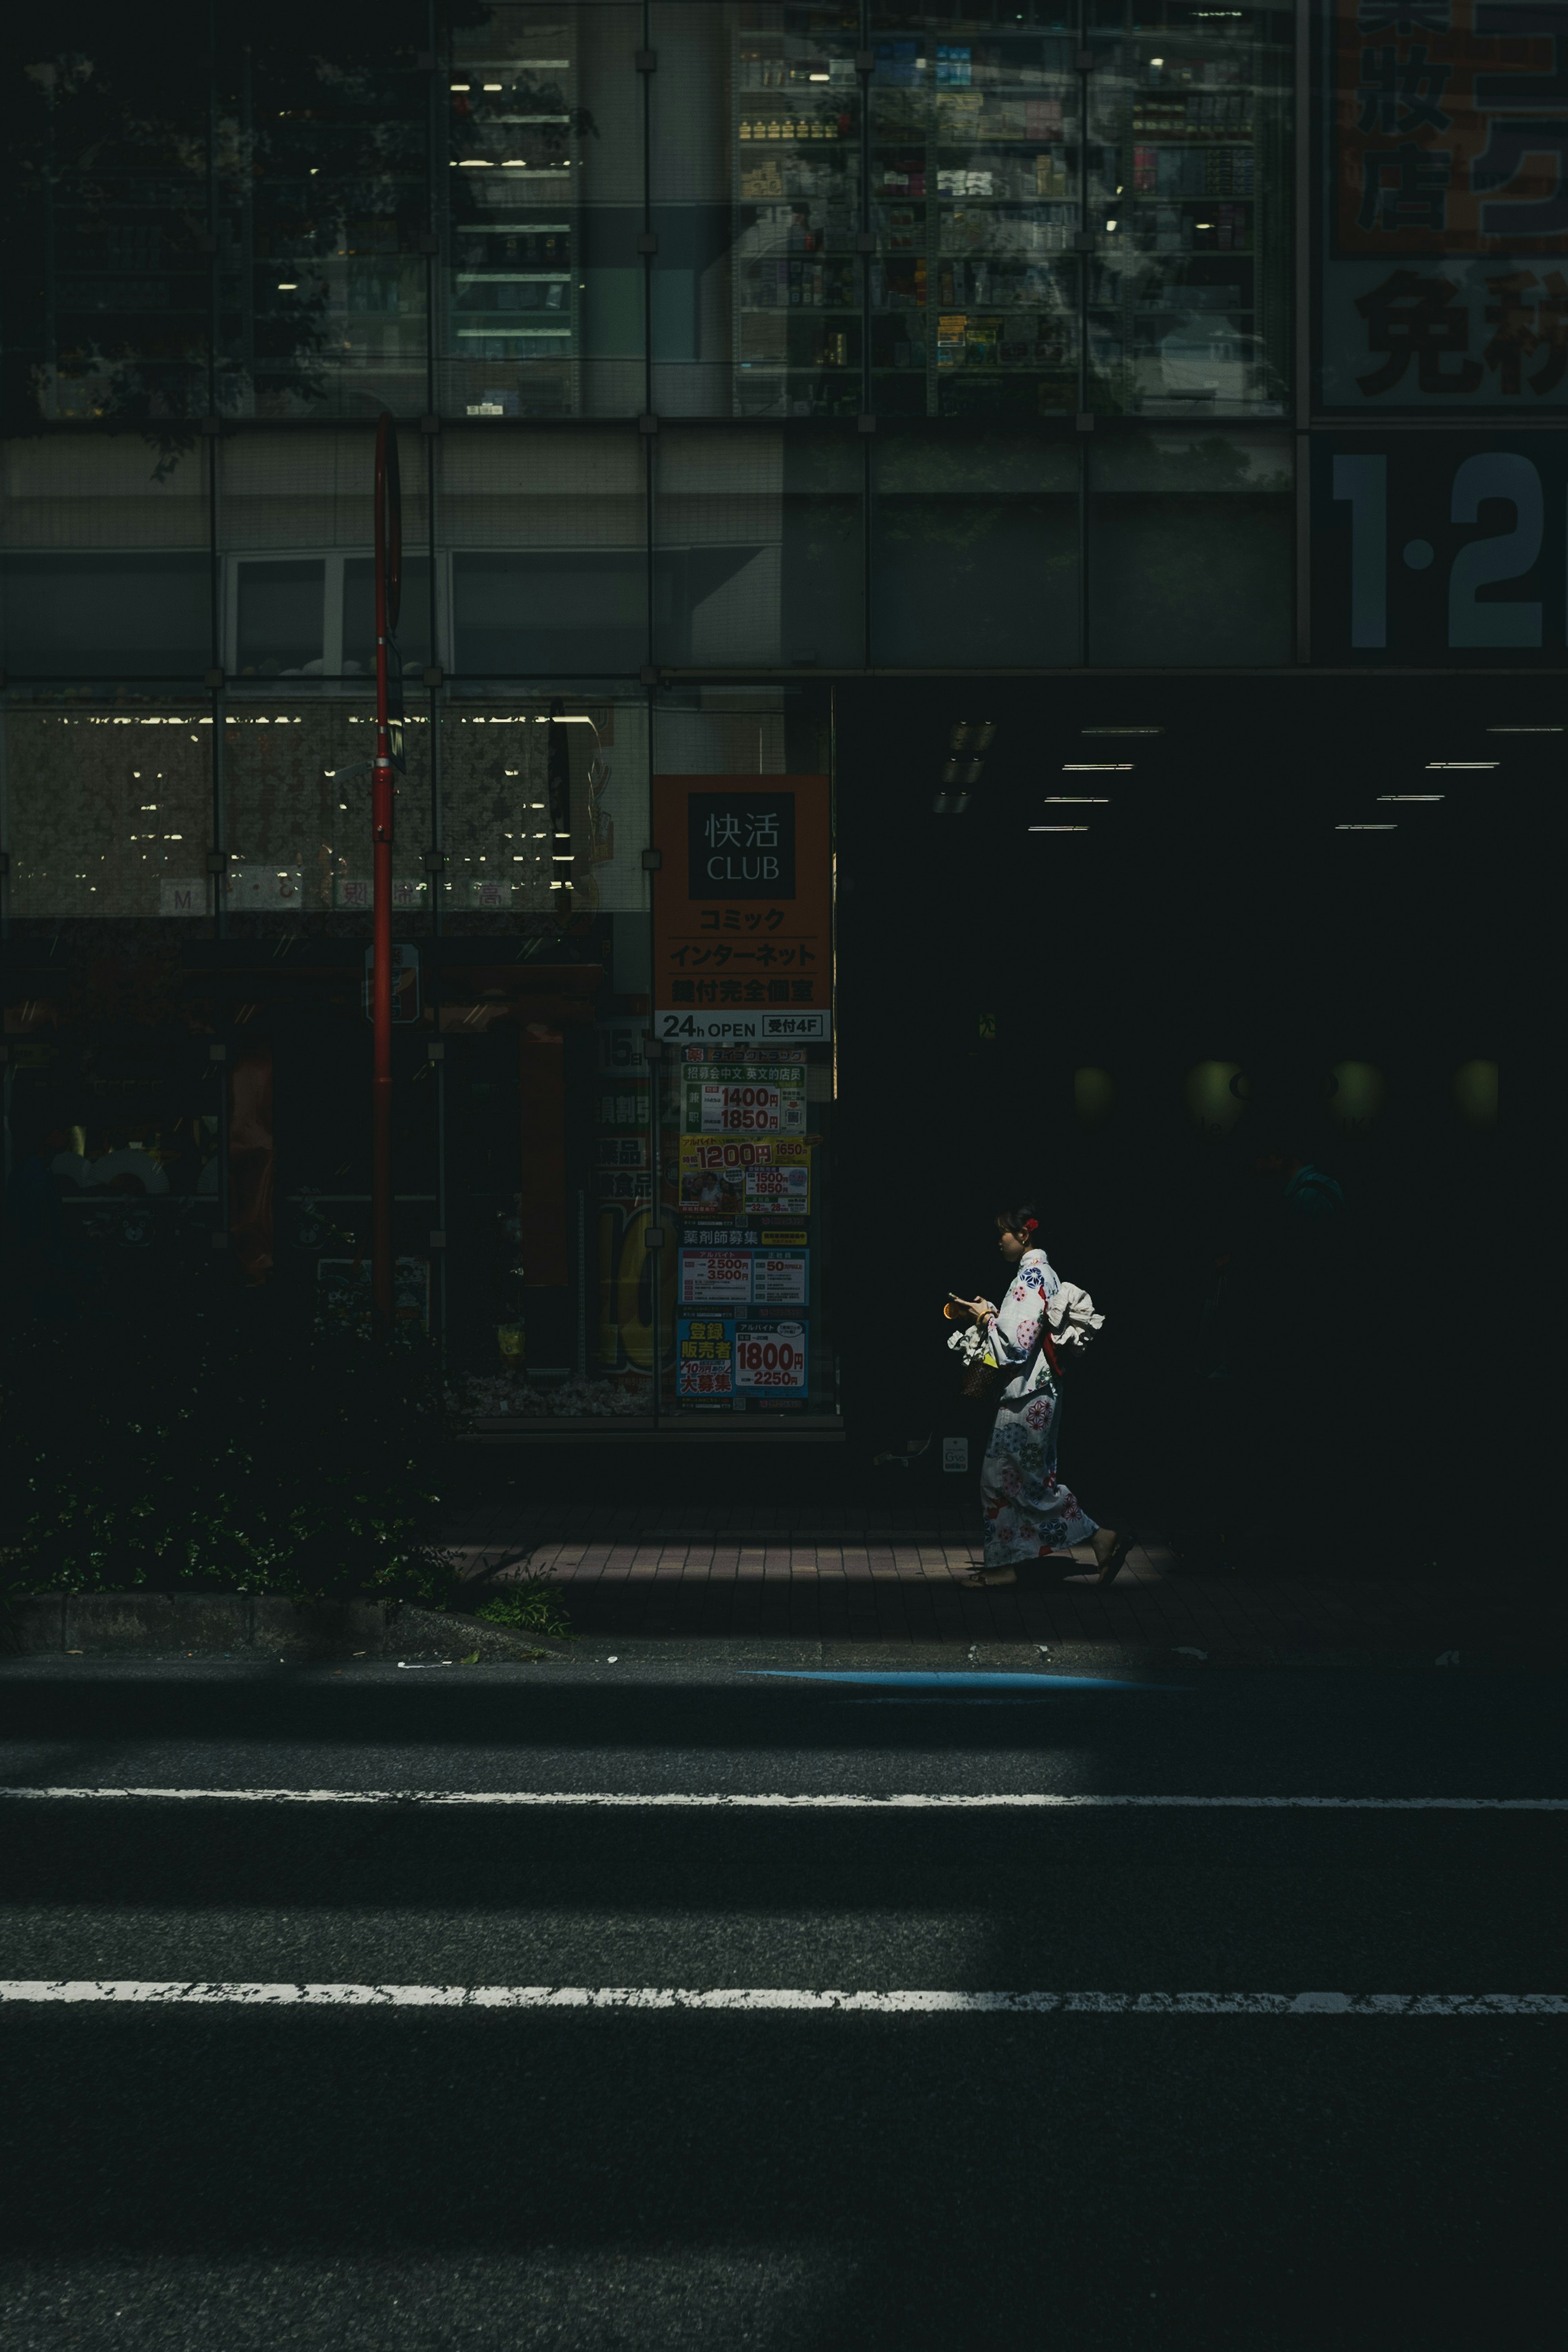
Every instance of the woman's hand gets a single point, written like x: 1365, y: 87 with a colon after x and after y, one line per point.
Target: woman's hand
x: 980, y: 1312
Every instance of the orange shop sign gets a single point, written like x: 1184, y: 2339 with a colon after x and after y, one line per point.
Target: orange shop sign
x: 743, y: 895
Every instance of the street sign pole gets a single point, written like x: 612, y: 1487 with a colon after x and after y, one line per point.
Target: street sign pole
x: 388, y: 569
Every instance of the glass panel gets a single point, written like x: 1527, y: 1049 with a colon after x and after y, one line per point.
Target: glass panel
x: 757, y: 548
x: 299, y: 830
x: 108, y: 615
x: 545, y: 809
x: 543, y: 1007
x: 105, y: 564
x: 974, y: 197
x: 974, y: 549
x: 1191, y: 549
x: 1442, y: 206
x: 745, y: 1130
x: 415, y: 640
x: 107, y: 151
x: 549, y: 565
x: 323, y: 197
x: 544, y: 313
x: 114, y: 1094
x: 291, y: 507
x: 282, y: 607
x: 111, y: 813
x: 1187, y: 175
x: 756, y: 287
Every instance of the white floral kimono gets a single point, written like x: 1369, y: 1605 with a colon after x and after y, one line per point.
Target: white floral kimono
x: 1028, y: 1513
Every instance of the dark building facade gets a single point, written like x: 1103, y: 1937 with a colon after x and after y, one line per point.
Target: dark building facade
x: 1093, y: 477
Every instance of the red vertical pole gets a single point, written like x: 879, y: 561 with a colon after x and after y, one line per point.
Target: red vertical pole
x: 381, y: 920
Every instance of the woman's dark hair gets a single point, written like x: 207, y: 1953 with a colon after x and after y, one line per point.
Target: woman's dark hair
x: 1025, y: 1219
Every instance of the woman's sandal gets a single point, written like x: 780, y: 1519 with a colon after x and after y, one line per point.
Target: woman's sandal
x: 1109, y: 1566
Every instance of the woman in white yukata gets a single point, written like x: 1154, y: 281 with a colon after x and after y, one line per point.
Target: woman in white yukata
x: 1028, y: 1513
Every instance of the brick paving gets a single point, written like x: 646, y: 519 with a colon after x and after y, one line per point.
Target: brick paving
x: 894, y: 1573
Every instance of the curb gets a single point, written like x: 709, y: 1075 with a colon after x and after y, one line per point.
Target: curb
x: 268, y: 1629
x: 241, y: 1624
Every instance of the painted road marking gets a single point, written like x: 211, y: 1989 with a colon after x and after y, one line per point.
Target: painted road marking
x: 122, y: 1991
x: 1023, y: 1800
x: 955, y: 1680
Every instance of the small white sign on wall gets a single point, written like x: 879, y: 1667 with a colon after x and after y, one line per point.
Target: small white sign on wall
x: 955, y: 1452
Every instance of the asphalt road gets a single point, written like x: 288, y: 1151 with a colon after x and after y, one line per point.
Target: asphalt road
x: 239, y: 2170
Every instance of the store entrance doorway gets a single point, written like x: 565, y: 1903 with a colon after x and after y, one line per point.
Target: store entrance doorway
x: 1137, y: 949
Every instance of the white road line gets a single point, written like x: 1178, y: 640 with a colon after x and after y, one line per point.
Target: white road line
x: 715, y: 1800
x: 121, y: 1991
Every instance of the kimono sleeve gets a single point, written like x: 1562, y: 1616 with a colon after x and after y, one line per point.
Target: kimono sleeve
x: 1016, y: 1330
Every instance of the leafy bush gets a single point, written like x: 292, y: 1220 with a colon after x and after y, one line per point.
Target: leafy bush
x: 530, y: 1607
x: 258, y: 1459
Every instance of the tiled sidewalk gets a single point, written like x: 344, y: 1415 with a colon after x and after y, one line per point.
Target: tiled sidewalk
x: 896, y: 1574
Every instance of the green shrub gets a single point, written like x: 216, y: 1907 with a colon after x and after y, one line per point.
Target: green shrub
x: 259, y: 1460
x: 531, y: 1607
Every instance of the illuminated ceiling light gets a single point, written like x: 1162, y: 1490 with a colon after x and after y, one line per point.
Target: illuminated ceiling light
x: 472, y: 164
x: 1464, y: 763
x: 492, y: 85
x: 288, y: 285
x: 515, y: 163
x: 1097, y: 767
x: 459, y: 85
x: 1059, y: 828
x: 816, y: 77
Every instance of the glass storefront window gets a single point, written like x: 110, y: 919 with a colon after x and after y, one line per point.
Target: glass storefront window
x: 1186, y: 180
x: 543, y: 310
x: 109, y: 810
x: 743, y: 1078
x: 298, y: 819
x: 110, y: 135
x: 794, y: 163
x: 320, y: 166
x: 975, y: 207
x: 542, y: 1014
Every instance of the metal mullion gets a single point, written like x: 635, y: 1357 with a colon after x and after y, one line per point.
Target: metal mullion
x: 1082, y: 439
x: 1301, y: 372
x: 436, y: 874
x: 868, y: 261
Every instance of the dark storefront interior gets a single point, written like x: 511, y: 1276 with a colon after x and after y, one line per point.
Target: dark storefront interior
x: 1118, y: 1022
x: 1260, y: 930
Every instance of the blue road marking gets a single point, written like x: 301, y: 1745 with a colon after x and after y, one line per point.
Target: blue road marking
x: 953, y: 1681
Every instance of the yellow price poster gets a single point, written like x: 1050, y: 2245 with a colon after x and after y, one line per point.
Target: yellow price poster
x: 734, y: 1177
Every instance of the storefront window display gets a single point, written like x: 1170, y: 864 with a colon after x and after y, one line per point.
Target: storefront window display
x: 977, y: 207
x: 742, y: 1024
x: 543, y: 196
x: 1074, y: 217
x: 796, y: 110
x: 1186, y: 179
x: 573, y: 1190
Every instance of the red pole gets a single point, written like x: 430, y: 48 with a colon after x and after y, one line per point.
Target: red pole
x: 381, y: 920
